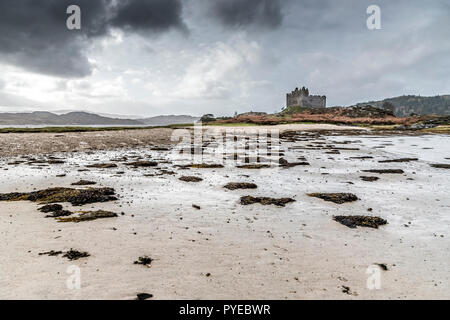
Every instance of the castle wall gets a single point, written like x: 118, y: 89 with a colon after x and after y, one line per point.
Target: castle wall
x: 296, y: 100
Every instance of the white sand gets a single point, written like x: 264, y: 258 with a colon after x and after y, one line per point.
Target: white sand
x: 252, y: 252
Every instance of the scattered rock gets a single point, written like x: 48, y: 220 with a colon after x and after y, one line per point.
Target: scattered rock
x: 361, y: 221
x: 144, y: 296
x: 240, y: 185
x: 196, y: 207
x: 190, y: 179
x: 382, y: 266
x: 421, y: 126
x: 338, y: 198
x: 89, y: 216
x: 281, y: 202
x: 347, y: 290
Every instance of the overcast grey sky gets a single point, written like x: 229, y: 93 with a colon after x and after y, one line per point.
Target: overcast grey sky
x: 150, y: 57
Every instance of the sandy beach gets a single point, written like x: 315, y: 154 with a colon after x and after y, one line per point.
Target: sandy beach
x: 204, y: 243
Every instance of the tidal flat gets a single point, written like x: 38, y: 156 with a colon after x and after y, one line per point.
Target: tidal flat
x: 197, y: 239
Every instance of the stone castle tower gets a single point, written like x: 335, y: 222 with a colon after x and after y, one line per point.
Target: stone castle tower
x: 301, y: 98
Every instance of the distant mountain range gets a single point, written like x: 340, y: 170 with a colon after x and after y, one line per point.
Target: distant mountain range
x: 168, y: 120
x: 406, y: 105
x: 87, y: 118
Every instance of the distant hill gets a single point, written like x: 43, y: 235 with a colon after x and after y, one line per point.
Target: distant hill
x: 87, y: 118
x: 406, y: 105
x: 167, y: 120
x: 71, y: 118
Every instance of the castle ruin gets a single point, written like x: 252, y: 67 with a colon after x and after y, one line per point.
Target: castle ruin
x: 301, y: 98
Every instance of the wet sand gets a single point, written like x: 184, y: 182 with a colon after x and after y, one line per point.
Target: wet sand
x: 13, y: 144
x: 229, y: 251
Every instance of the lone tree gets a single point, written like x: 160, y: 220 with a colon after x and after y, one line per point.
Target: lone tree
x: 208, y: 118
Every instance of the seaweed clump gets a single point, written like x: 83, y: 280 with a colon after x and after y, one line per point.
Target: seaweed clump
x: 360, y: 221
x: 144, y: 260
x: 440, y: 165
x: 382, y: 171
x: 284, y: 163
x: 369, y: 179
x: 254, y: 166
x: 143, y: 164
x: 84, y: 183
x: 50, y: 208
x: 56, y: 211
x: 75, y: 254
x: 338, y: 198
x: 399, y: 160
x: 102, y: 165
x: 206, y: 166
x: 77, y: 197
x: 190, y: 179
x: 89, y: 216
x: 71, y: 254
x: 51, y: 253
x: 280, y: 202
x: 240, y: 185
x: 59, y: 213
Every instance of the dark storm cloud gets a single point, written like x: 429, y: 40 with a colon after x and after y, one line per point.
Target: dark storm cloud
x: 240, y: 13
x: 148, y: 15
x: 33, y: 34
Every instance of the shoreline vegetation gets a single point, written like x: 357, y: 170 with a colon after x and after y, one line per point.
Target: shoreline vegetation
x: 65, y: 129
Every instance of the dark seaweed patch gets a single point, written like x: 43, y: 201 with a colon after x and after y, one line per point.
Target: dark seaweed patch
x: 76, y: 197
x: 240, y: 185
x: 383, y: 171
x: 361, y: 221
x: 190, y: 179
x: 281, y: 202
x: 89, y: 216
x: 338, y: 198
